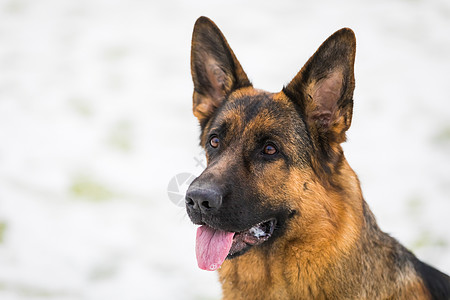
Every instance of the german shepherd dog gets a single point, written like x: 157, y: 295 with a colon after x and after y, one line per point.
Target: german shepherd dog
x: 281, y: 212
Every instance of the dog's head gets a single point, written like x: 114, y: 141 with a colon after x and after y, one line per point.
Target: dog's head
x: 269, y: 155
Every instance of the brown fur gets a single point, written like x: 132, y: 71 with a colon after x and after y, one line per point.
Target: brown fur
x: 329, y: 245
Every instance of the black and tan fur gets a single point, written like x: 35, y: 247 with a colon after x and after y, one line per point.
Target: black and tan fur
x: 327, y: 244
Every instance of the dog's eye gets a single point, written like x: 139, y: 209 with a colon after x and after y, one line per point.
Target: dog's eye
x: 270, y: 149
x: 214, y: 142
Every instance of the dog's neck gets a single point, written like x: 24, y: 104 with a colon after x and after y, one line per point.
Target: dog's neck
x: 321, y: 252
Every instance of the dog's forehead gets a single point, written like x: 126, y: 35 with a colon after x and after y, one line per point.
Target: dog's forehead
x: 251, y: 112
x: 251, y: 109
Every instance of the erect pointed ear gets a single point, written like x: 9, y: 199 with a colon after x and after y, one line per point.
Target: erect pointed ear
x: 215, y: 70
x: 324, y: 90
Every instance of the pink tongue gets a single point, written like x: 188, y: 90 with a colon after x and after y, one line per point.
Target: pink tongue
x: 212, y: 247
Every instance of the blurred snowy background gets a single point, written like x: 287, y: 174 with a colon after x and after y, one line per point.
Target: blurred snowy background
x: 95, y: 120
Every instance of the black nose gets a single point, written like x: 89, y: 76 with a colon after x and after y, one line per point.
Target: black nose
x: 203, y: 199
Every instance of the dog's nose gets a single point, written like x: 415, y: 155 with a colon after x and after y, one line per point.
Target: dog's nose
x: 203, y: 199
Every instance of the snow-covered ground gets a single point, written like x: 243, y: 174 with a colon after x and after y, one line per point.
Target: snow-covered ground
x: 95, y: 121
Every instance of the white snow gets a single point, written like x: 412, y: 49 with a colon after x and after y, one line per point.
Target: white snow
x: 95, y: 120
x: 257, y: 231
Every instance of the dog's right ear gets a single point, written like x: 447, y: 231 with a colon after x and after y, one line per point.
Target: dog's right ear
x: 215, y: 70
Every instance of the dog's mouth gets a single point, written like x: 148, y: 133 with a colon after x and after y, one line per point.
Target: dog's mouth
x: 214, y: 246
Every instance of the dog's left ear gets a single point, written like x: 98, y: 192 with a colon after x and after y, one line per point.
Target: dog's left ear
x: 215, y: 70
x: 324, y: 89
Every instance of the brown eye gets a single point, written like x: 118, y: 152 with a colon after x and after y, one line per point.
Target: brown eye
x: 214, y: 142
x: 270, y: 149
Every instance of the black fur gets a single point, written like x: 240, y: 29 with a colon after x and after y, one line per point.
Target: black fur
x: 437, y: 282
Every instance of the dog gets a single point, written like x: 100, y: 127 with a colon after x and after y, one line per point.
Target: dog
x: 281, y: 212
